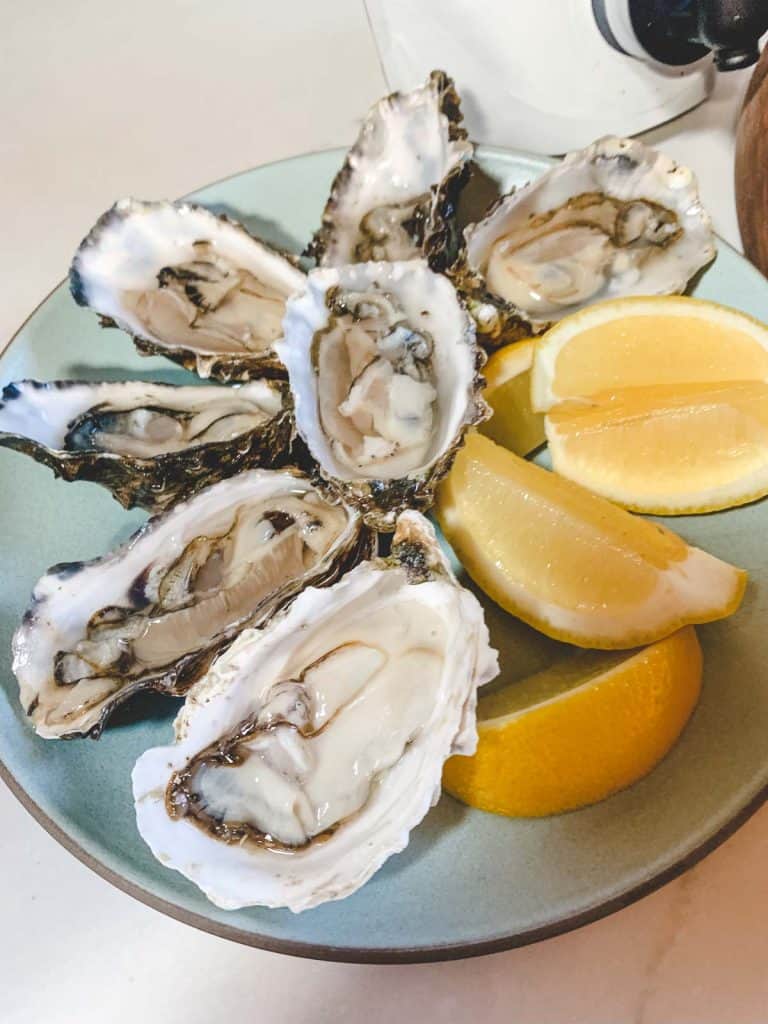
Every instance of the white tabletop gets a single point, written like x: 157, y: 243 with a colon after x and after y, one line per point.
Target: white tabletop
x: 154, y: 98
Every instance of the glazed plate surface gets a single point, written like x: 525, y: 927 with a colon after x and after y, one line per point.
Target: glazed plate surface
x: 469, y: 882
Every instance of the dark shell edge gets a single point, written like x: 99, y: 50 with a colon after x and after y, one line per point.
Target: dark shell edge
x: 77, y: 284
x: 156, y: 483
x: 179, y: 677
x: 440, y: 231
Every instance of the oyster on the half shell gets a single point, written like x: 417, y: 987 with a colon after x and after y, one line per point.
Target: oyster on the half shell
x: 153, y: 613
x: 383, y: 369
x: 617, y: 218
x: 149, y: 444
x: 313, y: 747
x: 187, y: 284
x: 395, y: 197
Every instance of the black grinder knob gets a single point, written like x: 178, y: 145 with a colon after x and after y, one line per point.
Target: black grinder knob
x: 678, y: 32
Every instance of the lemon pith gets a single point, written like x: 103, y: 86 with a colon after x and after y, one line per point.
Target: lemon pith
x: 579, y: 731
x: 571, y: 564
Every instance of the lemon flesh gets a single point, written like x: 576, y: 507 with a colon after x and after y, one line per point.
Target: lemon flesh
x: 638, y: 342
x: 570, y: 563
x: 674, y: 449
x: 579, y: 731
x: 513, y: 423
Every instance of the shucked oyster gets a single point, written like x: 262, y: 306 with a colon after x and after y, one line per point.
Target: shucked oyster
x: 311, y: 749
x: 395, y: 196
x: 383, y: 369
x: 153, y: 613
x: 616, y: 218
x: 147, y: 443
x: 187, y: 284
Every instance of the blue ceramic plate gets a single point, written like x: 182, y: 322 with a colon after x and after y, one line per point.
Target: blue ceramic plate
x: 469, y: 882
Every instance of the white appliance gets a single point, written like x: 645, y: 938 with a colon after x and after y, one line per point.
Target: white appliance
x: 550, y: 75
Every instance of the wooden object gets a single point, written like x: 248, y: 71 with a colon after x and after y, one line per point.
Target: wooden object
x: 752, y: 167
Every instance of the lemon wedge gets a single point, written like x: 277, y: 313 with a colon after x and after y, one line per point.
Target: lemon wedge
x: 673, y: 449
x: 641, y: 342
x: 577, y: 732
x: 570, y: 563
x: 513, y: 424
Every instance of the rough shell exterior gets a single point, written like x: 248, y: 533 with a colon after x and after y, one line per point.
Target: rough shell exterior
x: 226, y: 369
x: 499, y: 322
x: 440, y: 232
x: 380, y: 501
x: 356, y: 545
x: 249, y: 868
x: 159, y: 482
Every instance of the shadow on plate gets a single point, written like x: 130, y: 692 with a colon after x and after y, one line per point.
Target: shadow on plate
x: 445, y: 816
x: 148, y: 706
x: 171, y: 375
x: 480, y: 191
x: 262, y: 227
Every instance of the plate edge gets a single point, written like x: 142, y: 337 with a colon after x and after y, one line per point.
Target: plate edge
x: 362, y: 955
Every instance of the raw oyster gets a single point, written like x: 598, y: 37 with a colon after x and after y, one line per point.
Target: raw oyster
x: 147, y: 443
x: 280, y: 749
x: 383, y: 369
x: 187, y: 284
x: 616, y: 218
x: 395, y: 196
x: 153, y: 613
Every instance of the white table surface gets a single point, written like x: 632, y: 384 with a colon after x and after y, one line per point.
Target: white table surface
x: 154, y: 98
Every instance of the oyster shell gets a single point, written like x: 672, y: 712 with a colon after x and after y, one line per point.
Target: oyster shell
x: 395, y: 196
x: 617, y: 218
x: 153, y: 613
x: 187, y: 284
x: 383, y: 368
x: 149, y: 444
x: 280, y: 748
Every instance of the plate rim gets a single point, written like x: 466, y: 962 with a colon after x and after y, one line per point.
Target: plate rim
x: 389, y: 954
x: 386, y: 954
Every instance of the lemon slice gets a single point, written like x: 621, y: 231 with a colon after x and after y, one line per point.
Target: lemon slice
x: 570, y: 563
x: 638, y: 342
x: 671, y: 449
x: 579, y: 731
x: 514, y: 424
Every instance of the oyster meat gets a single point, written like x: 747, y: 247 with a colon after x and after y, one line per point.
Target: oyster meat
x: 617, y: 218
x: 395, y: 196
x: 310, y: 750
x: 153, y: 613
x: 149, y: 444
x: 383, y: 368
x: 187, y: 284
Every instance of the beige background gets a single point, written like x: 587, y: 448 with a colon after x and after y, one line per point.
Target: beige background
x: 100, y: 99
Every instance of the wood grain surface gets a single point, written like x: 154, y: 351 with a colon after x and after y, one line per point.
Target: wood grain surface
x: 752, y: 167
